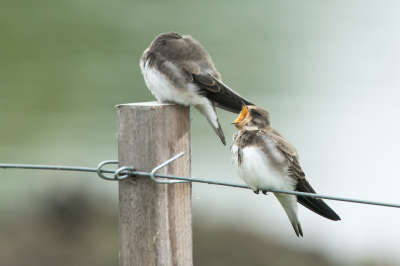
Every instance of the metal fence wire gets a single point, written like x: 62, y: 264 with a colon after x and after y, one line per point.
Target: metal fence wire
x: 128, y: 172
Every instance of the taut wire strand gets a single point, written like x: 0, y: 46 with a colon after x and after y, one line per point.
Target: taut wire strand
x: 127, y: 172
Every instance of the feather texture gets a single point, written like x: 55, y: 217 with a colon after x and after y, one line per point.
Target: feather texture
x: 178, y: 69
x: 266, y: 160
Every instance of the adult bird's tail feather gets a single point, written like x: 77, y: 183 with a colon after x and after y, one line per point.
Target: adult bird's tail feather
x: 208, y: 110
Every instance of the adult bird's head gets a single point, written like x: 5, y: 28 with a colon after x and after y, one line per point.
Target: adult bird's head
x: 167, y: 44
x: 252, y: 118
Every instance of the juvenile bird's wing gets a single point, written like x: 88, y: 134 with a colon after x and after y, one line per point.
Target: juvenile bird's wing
x: 316, y: 205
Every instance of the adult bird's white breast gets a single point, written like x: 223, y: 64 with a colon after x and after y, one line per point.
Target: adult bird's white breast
x: 163, y: 89
x: 187, y: 94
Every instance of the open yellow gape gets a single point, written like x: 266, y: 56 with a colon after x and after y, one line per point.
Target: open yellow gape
x: 243, y: 114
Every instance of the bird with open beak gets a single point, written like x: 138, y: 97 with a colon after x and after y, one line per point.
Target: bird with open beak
x: 179, y: 70
x: 266, y: 160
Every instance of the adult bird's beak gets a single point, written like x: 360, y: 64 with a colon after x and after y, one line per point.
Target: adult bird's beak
x: 243, y: 114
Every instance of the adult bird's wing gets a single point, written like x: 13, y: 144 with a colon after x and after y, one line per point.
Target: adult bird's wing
x: 219, y: 93
x: 316, y: 205
x: 195, y: 64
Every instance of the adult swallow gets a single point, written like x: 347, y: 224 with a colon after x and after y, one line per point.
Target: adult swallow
x: 266, y: 160
x: 178, y: 69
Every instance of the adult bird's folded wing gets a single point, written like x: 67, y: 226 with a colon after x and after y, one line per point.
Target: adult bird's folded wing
x: 218, y: 92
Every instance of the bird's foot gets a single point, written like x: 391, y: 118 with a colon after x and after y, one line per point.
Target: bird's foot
x: 256, y: 191
x: 264, y: 192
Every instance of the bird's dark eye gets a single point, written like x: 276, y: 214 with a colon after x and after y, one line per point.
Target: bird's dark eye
x: 256, y: 114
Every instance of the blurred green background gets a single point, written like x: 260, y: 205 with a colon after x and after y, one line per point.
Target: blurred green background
x: 328, y: 73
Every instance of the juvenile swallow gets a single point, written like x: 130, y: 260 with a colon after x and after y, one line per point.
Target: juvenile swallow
x: 266, y: 160
x: 178, y: 69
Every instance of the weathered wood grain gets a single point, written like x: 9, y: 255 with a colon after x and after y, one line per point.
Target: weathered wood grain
x: 155, y: 219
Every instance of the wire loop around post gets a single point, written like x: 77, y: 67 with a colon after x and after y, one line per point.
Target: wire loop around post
x: 101, y: 165
x: 153, y: 172
x: 119, y: 171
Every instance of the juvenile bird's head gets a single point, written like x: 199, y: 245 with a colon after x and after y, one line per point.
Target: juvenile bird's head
x: 252, y: 118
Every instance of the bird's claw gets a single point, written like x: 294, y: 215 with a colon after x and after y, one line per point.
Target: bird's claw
x: 264, y: 192
x: 256, y: 192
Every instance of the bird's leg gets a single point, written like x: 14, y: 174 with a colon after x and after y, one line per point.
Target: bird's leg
x: 264, y: 192
x: 256, y: 191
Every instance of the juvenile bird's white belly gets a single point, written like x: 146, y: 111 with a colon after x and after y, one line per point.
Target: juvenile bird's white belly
x: 258, y: 172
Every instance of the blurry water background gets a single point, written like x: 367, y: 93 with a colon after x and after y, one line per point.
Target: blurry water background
x: 328, y: 73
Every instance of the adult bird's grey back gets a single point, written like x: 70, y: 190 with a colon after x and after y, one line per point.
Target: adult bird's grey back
x: 178, y: 69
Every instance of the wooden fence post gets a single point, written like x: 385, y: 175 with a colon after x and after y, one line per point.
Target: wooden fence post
x: 155, y: 220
